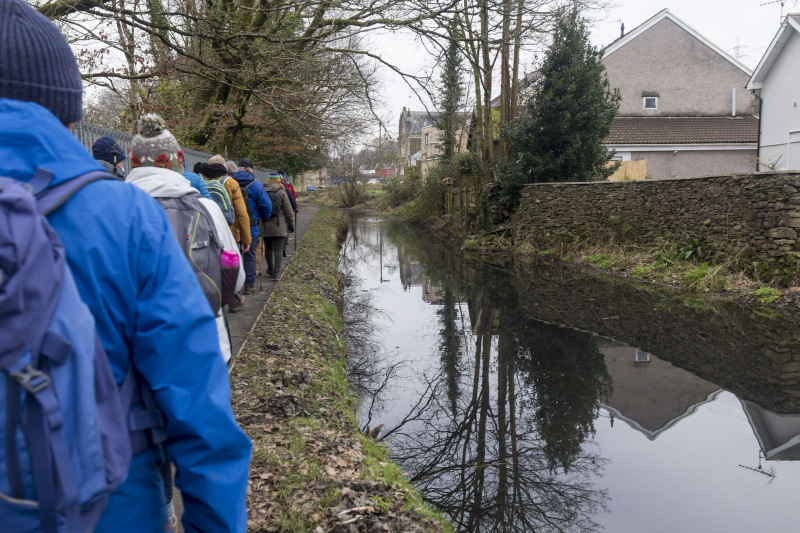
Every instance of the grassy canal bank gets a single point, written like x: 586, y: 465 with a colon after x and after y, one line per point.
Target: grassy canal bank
x: 312, y: 469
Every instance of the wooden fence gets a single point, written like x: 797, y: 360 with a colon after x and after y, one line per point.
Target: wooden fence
x: 630, y: 171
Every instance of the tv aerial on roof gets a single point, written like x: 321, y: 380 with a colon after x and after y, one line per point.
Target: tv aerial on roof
x: 781, y: 2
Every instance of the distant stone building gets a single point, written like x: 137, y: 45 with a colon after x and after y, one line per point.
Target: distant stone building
x: 419, y: 140
x: 409, y: 138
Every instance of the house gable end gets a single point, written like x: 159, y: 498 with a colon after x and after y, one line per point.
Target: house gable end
x: 667, y: 14
x: 680, y: 73
x: 789, y: 27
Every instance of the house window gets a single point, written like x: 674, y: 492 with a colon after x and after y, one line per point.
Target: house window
x: 641, y: 357
x: 427, y: 140
x: 650, y: 102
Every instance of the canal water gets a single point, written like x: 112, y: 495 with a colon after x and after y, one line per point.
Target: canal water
x: 556, y: 399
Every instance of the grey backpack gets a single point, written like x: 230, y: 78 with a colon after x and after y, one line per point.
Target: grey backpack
x: 195, y: 231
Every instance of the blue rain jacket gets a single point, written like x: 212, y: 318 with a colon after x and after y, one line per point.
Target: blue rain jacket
x: 149, y: 309
x: 198, y: 183
x: 258, y: 200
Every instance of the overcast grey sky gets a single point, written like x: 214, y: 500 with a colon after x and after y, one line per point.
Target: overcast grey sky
x: 746, y: 24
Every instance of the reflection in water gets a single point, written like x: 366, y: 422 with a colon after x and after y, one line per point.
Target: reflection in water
x: 650, y: 394
x: 498, y: 393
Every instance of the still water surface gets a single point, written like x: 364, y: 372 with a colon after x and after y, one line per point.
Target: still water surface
x: 555, y: 399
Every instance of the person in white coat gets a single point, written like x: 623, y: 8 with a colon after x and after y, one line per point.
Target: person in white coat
x: 161, y: 177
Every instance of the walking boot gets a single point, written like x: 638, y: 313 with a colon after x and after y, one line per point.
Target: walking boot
x: 249, y: 289
x: 236, y: 304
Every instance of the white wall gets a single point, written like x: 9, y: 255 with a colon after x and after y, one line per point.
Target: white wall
x: 780, y: 110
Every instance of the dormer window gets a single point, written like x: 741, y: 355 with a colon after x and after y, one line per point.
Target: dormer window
x: 650, y: 102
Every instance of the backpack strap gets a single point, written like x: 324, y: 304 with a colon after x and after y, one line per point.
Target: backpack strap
x: 246, y: 194
x: 43, y: 425
x: 48, y: 199
x: 145, y: 419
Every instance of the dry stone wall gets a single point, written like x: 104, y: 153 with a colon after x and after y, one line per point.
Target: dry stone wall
x: 754, y: 218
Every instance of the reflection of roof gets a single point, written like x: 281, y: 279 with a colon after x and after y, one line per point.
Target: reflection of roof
x: 778, y: 435
x: 651, y: 397
x: 683, y: 130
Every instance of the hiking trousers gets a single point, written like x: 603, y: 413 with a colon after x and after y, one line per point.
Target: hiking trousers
x: 250, y: 265
x: 273, y: 250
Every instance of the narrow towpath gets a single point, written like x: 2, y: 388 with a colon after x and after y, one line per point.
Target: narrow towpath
x: 241, y: 322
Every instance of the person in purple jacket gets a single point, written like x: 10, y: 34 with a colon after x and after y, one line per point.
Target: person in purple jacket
x: 131, y: 272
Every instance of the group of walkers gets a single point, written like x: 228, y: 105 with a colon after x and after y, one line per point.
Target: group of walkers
x: 113, y: 343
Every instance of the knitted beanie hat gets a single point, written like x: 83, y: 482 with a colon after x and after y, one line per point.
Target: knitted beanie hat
x: 154, y: 145
x: 213, y: 171
x: 106, y: 149
x: 36, y: 63
x: 217, y: 160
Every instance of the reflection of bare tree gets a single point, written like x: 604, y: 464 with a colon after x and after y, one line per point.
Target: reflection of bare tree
x: 450, y: 345
x: 473, y: 439
x: 480, y: 466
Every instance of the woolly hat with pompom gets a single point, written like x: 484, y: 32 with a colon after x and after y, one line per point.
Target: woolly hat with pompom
x: 154, y: 145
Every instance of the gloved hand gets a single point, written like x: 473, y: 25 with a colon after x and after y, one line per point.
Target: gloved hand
x: 291, y: 229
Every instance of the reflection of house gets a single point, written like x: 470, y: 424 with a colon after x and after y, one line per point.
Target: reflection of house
x: 431, y: 292
x: 778, y: 435
x: 410, y: 269
x: 684, y: 106
x: 776, y: 79
x: 650, y: 394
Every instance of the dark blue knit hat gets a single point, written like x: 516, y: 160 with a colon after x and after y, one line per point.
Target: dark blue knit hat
x: 36, y: 63
x: 106, y: 149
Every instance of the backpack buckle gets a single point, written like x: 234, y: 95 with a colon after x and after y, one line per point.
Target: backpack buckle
x: 31, y: 379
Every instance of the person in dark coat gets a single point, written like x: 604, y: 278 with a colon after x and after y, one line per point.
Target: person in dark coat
x: 277, y: 228
x: 259, y: 207
x: 107, y: 152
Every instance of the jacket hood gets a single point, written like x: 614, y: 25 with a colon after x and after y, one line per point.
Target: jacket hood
x: 160, y: 182
x: 243, y: 177
x: 31, y: 137
x: 272, y: 186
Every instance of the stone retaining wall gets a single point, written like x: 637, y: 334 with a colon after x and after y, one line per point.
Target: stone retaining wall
x: 752, y: 217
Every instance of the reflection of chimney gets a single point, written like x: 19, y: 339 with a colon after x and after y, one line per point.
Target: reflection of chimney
x: 622, y: 30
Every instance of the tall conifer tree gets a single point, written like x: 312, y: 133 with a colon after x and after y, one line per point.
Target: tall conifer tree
x: 452, y: 93
x: 560, y: 135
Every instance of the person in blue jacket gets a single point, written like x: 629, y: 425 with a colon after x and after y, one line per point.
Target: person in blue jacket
x: 259, y: 207
x: 149, y: 309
